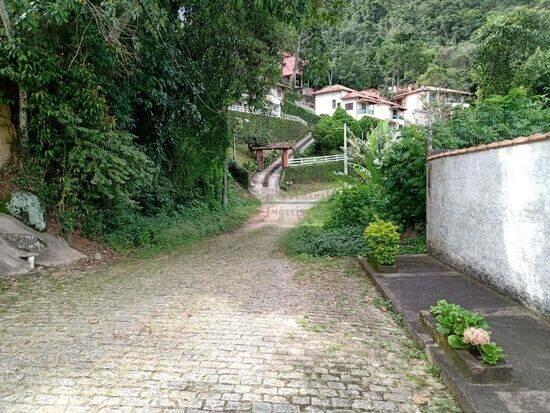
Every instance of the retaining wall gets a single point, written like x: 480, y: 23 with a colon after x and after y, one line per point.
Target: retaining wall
x: 488, y: 214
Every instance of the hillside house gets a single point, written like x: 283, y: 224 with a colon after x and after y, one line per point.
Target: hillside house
x: 421, y: 103
x: 289, y: 62
x: 274, y: 102
x: 357, y: 104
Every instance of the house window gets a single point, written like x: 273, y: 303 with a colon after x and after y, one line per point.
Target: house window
x: 349, y: 106
x: 333, y: 103
x: 364, y: 109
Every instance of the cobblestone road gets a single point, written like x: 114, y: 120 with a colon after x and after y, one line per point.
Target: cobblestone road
x: 229, y: 324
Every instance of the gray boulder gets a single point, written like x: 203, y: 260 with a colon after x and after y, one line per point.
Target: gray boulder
x: 18, y: 241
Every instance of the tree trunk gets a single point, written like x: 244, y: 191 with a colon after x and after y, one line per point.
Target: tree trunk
x: 23, y: 95
x: 296, y: 60
x: 23, y: 119
x: 224, y: 190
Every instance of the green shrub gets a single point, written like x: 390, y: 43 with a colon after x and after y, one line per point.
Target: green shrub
x: 239, y: 173
x: 254, y: 139
x: 382, y: 240
x: 329, y: 131
x: 320, y: 241
x: 403, y: 177
x: 275, y: 129
x: 291, y: 109
x: 356, y: 206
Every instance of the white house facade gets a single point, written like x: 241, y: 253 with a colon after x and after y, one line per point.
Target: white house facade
x: 328, y: 99
x: 274, y: 102
x: 425, y: 102
x: 414, y: 106
x: 357, y: 104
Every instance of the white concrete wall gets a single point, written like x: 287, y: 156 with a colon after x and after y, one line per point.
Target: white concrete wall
x: 382, y: 111
x: 488, y: 214
x: 323, y: 102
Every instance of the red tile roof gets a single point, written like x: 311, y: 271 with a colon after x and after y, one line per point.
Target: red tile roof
x: 333, y: 88
x: 433, y: 89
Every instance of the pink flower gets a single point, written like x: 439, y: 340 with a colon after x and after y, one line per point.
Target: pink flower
x: 476, y: 336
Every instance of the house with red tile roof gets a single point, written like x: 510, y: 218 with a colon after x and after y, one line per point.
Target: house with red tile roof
x: 411, y: 106
x: 427, y: 101
x: 357, y: 103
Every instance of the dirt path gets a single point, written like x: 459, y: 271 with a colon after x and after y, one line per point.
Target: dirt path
x: 230, y: 324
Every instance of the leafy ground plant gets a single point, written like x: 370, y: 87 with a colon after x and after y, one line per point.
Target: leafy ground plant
x: 466, y: 330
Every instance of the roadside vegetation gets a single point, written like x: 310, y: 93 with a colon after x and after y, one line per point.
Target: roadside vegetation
x: 122, y: 127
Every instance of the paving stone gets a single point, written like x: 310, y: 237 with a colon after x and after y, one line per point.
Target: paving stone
x: 228, y: 325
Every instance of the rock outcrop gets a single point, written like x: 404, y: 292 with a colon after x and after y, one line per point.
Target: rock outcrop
x: 18, y: 242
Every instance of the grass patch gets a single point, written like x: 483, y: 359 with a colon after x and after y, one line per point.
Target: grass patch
x: 300, y: 175
x: 414, y: 244
x: 144, y: 237
x: 308, y: 188
x: 324, y: 242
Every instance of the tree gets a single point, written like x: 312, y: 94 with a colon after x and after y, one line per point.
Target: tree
x: 504, y: 44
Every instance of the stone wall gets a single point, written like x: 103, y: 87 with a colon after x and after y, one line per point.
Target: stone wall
x: 488, y: 214
x: 6, y: 134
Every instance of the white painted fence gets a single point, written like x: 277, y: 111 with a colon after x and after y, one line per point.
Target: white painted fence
x: 315, y: 160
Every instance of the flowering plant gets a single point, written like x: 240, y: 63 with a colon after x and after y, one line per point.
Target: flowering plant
x: 466, y: 330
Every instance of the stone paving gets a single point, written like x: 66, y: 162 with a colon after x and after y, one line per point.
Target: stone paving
x: 228, y: 325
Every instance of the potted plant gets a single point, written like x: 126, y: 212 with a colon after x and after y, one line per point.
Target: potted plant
x: 463, y: 336
x: 382, y: 240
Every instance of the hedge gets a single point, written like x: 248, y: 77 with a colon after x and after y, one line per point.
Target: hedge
x: 291, y: 109
x: 278, y: 129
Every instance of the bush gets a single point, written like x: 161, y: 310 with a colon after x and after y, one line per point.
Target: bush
x: 329, y: 131
x: 239, y: 173
x: 404, y: 178
x: 275, y: 129
x: 493, y: 119
x: 382, y: 241
x: 254, y: 140
x: 355, y: 206
x: 127, y: 230
x: 320, y: 241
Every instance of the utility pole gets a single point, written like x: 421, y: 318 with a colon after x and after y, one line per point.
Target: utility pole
x: 345, y: 149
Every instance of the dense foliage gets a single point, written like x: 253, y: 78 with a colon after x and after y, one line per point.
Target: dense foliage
x: 271, y: 129
x: 127, y: 100
x: 403, y: 177
x: 510, y: 49
x: 329, y: 131
x: 386, y: 43
x: 493, y: 119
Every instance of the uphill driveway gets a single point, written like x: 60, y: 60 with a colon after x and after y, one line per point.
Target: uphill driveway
x: 229, y: 324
